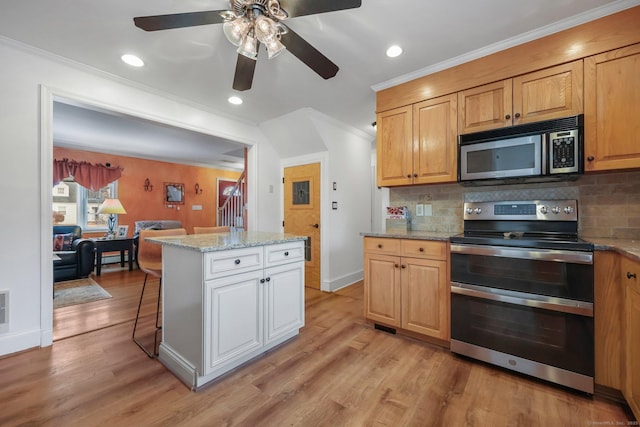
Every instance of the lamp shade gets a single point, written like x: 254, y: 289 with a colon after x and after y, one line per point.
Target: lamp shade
x: 111, y: 206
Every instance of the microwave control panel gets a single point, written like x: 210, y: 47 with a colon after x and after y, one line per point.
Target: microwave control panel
x: 563, y: 152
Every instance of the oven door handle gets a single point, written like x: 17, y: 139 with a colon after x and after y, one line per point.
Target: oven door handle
x: 574, y: 257
x: 520, y: 298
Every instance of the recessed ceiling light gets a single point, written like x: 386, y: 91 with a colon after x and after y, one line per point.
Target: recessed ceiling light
x: 132, y: 60
x: 235, y: 100
x: 394, y: 51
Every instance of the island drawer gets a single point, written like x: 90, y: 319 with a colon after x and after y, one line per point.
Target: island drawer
x: 225, y: 263
x: 424, y: 249
x: 382, y: 245
x: 283, y: 253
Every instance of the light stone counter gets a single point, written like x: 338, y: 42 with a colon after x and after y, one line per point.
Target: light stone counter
x: 417, y: 235
x: 628, y: 248
x: 224, y: 241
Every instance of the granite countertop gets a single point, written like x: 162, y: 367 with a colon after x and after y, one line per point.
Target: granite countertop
x: 224, y: 241
x: 418, y: 235
x: 629, y: 248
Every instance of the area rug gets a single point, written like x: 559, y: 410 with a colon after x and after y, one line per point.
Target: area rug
x: 80, y: 291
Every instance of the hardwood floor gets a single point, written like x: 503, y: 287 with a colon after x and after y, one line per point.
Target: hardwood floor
x: 338, y: 372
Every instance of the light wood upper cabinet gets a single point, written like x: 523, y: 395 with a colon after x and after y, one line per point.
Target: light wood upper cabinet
x: 631, y: 278
x: 612, y: 102
x: 542, y: 95
x: 394, y: 147
x: 417, y: 144
x: 434, y: 140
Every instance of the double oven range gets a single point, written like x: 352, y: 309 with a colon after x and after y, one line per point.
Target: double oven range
x: 522, y: 290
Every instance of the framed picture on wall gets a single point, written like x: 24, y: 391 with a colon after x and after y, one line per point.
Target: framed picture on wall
x: 173, y: 193
x: 122, y: 231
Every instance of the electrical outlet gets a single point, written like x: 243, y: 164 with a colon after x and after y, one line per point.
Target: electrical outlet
x: 419, y: 210
x: 428, y: 210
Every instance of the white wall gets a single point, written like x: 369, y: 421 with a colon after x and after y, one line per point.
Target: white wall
x: 25, y: 175
x: 345, y: 157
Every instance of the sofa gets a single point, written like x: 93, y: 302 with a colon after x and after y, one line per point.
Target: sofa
x: 76, y: 255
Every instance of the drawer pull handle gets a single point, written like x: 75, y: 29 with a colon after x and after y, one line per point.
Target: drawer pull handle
x: 379, y: 246
x: 237, y: 261
x: 286, y: 254
x: 421, y: 249
x: 631, y: 275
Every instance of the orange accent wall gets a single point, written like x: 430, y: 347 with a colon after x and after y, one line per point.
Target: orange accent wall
x: 142, y: 205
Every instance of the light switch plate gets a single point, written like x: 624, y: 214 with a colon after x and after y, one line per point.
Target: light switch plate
x: 419, y: 210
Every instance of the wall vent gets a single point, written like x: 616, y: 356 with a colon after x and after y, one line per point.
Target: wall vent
x: 4, y: 311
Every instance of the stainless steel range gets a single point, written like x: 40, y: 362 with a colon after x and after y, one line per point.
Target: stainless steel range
x: 522, y: 290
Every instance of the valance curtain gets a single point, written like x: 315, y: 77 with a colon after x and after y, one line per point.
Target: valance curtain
x: 89, y: 175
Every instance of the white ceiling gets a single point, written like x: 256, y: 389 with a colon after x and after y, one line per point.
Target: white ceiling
x: 197, y: 64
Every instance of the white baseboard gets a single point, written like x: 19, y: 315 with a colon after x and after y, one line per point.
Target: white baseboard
x: 344, y: 281
x: 13, y: 343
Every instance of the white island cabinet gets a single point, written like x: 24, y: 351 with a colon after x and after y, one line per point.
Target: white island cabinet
x: 228, y: 298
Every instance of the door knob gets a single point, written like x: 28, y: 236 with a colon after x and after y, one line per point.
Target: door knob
x: 315, y: 225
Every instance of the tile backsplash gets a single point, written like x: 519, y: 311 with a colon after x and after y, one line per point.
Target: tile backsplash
x: 608, y: 204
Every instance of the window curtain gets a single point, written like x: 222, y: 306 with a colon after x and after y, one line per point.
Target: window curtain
x: 89, y: 175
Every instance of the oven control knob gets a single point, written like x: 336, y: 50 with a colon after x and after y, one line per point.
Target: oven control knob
x: 469, y: 211
x: 478, y: 211
x: 544, y: 210
x: 555, y: 210
x: 568, y: 210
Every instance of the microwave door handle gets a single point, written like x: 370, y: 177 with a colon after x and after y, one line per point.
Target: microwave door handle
x: 544, y: 169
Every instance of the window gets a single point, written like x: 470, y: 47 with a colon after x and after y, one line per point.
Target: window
x: 75, y: 205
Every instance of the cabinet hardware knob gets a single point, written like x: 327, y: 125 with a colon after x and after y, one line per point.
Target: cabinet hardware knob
x: 421, y: 249
x: 315, y: 225
x: 396, y: 265
x: 591, y: 158
x: 268, y: 279
x: 403, y: 266
x: 237, y: 261
x: 631, y: 275
x: 517, y: 115
x: 379, y: 246
x: 415, y: 175
x: 507, y: 117
x: 286, y: 254
x: 261, y: 280
x: 408, y: 175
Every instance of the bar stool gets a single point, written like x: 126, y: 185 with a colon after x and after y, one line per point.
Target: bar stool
x: 150, y: 261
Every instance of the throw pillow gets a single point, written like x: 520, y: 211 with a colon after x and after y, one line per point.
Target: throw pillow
x: 62, y: 242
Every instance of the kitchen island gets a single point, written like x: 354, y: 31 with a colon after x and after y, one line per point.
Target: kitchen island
x: 226, y: 299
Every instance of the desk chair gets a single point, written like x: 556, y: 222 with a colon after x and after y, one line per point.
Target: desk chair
x: 150, y: 261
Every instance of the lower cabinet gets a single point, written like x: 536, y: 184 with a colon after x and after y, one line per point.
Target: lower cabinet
x: 631, y: 278
x: 406, y: 285
x: 221, y: 309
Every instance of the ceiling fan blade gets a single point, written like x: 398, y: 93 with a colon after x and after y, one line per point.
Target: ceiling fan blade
x: 243, y: 78
x: 308, y: 54
x: 310, y: 7
x: 178, y: 20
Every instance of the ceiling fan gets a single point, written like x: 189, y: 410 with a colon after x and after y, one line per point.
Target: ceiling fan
x: 251, y: 22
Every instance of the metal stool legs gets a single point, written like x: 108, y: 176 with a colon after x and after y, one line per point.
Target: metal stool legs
x: 158, y: 327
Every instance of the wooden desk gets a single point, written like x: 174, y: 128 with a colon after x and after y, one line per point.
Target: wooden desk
x: 113, y: 245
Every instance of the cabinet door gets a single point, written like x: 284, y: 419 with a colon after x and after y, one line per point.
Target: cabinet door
x: 284, y: 300
x: 233, y: 318
x: 551, y: 93
x: 609, y: 319
x: 611, y: 105
x: 485, y: 107
x: 425, y: 297
x: 434, y: 140
x: 382, y: 288
x: 394, y: 147
x: 631, y: 277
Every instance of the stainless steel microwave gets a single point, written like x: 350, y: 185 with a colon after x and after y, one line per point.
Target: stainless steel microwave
x: 532, y: 152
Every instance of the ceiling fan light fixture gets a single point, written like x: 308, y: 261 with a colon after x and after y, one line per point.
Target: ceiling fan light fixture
x: 236, y: 30
x: 274, y: 47
x: 249, y: 47
x: 265, y: 29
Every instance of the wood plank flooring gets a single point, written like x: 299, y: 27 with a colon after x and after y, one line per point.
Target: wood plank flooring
x: 338, y: 372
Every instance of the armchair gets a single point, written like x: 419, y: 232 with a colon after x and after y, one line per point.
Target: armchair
x: 78, y: 260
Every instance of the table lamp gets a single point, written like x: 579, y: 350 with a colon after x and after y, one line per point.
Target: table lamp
x: 112, y: 207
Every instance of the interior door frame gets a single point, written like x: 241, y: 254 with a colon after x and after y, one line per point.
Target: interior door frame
x: 323, y: 159
x: 50, y: 94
